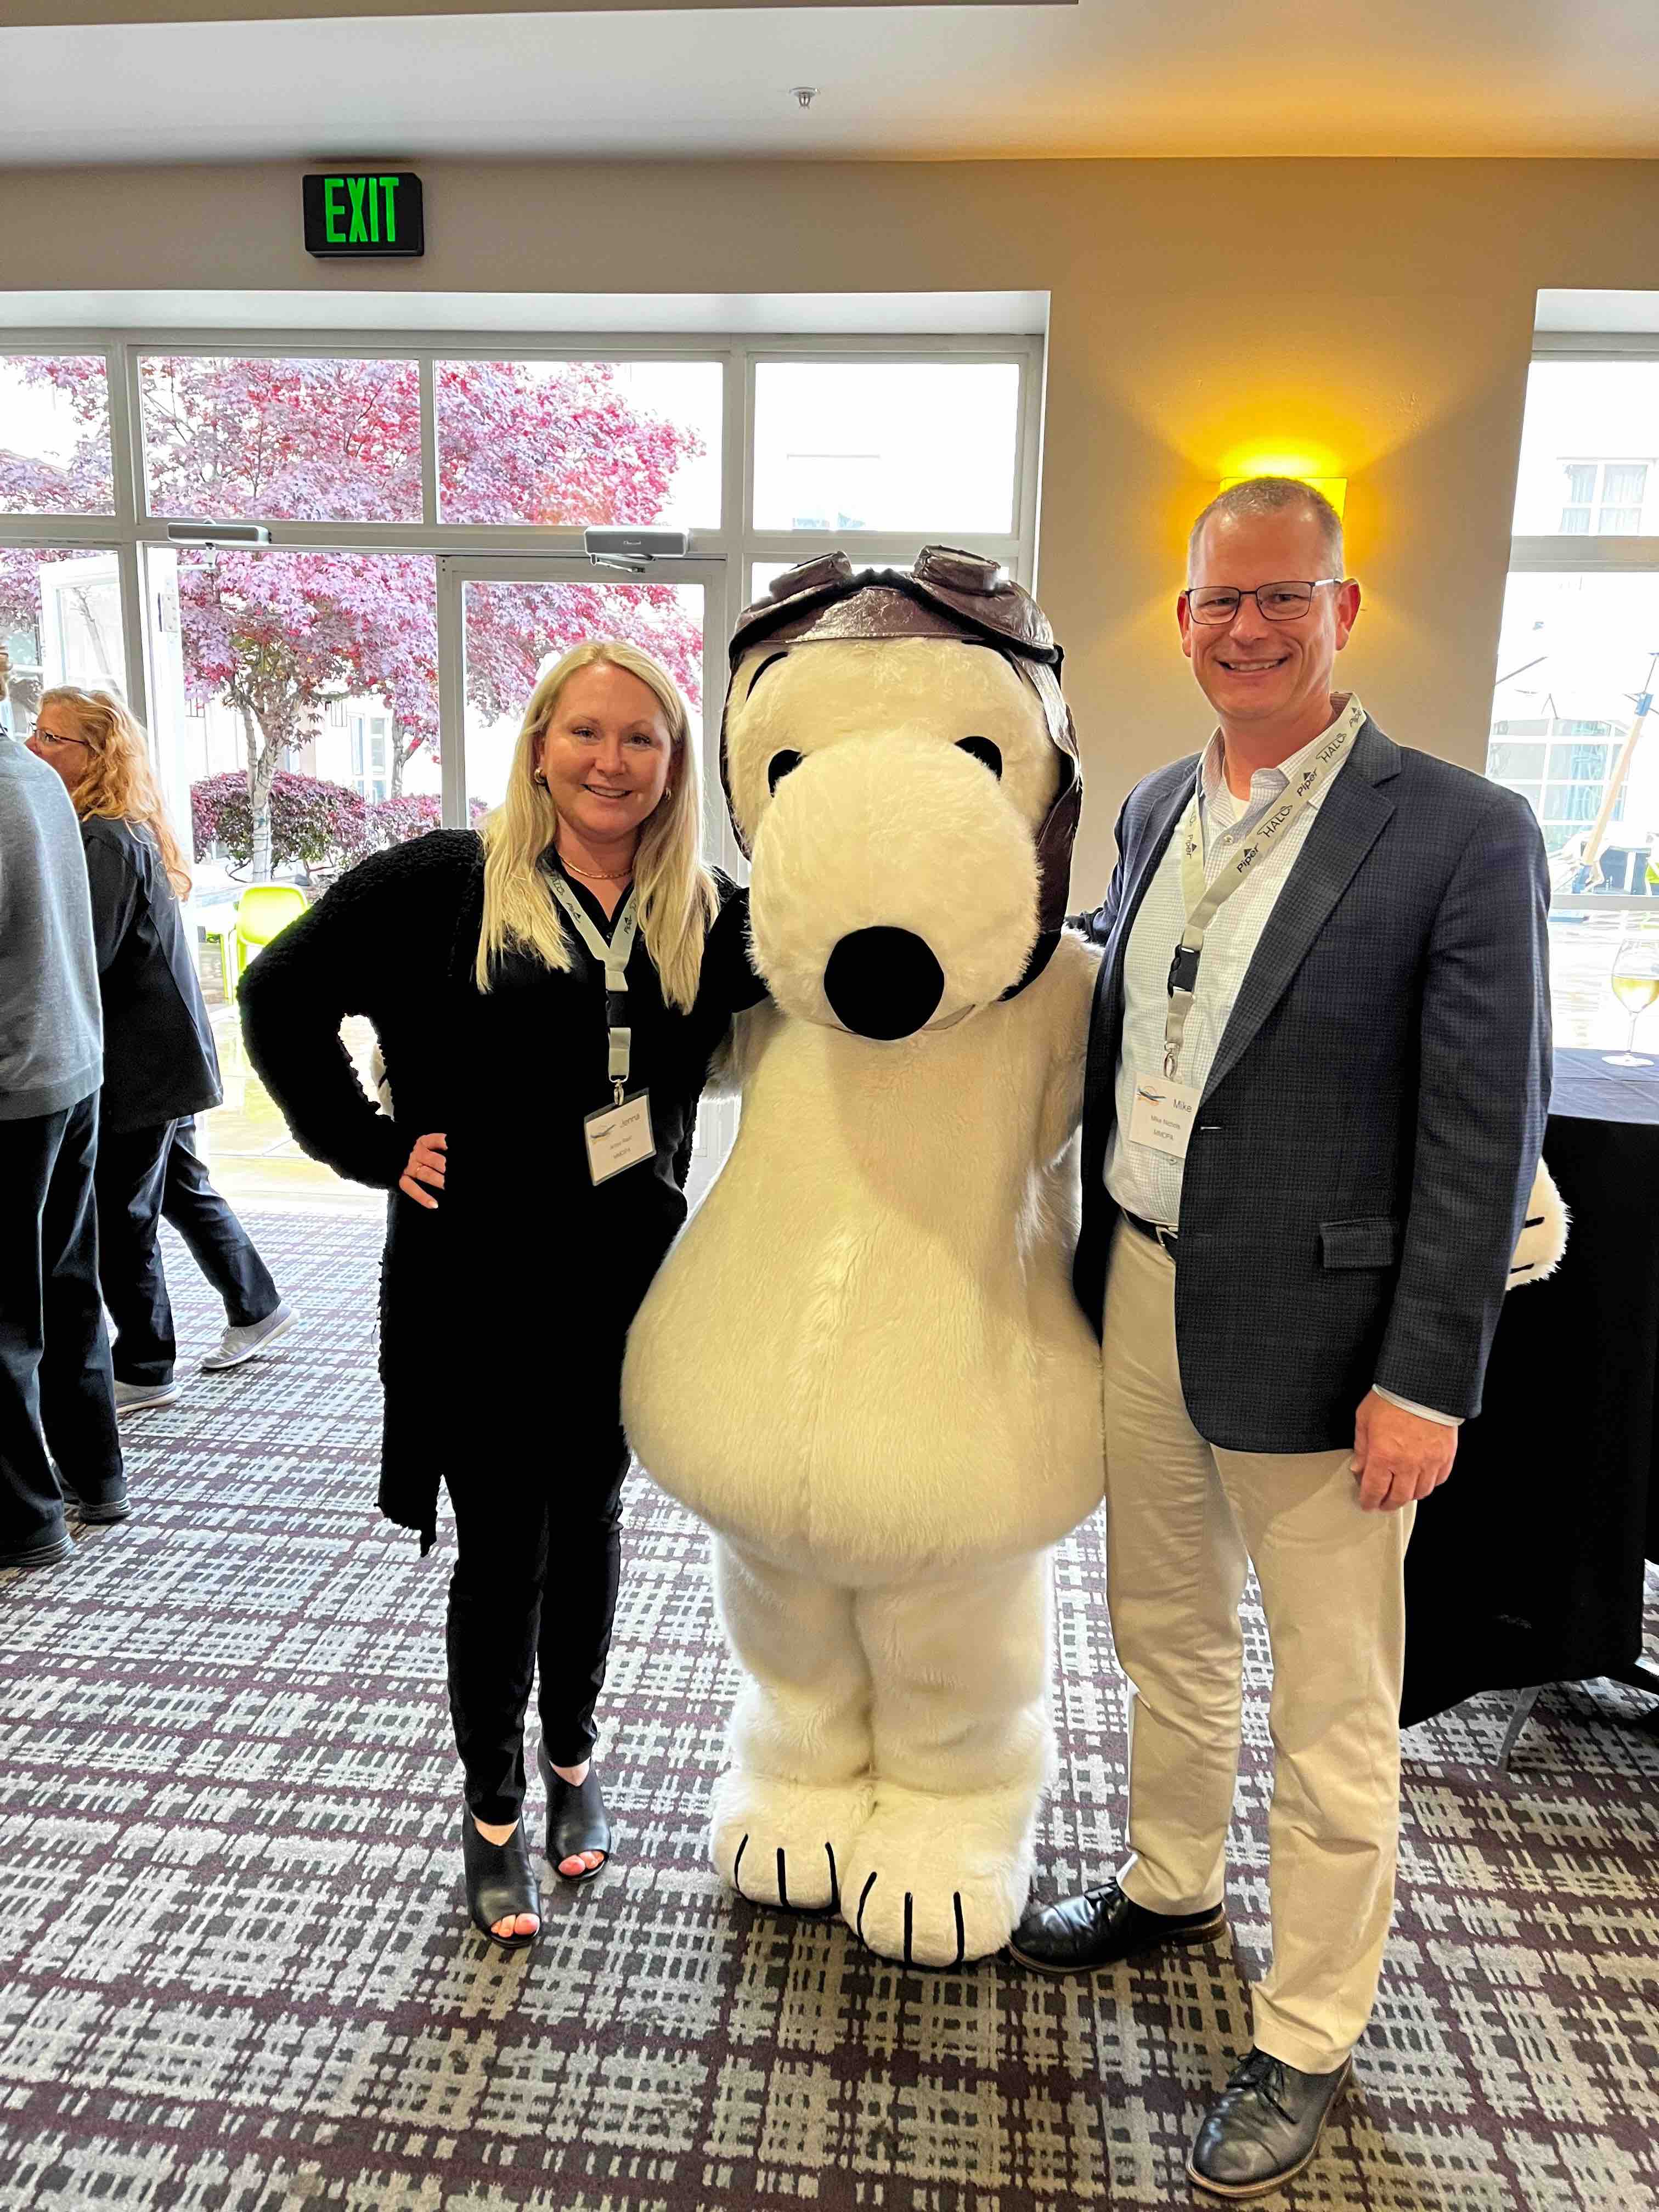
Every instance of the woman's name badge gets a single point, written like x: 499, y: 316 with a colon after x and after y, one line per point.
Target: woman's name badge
x: 1163, y: 1115
x: 619, y: 1137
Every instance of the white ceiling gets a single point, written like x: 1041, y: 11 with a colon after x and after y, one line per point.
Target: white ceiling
x: 1105, y: 77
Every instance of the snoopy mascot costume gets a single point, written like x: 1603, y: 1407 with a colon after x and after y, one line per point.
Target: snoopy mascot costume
x: 862, y: 1363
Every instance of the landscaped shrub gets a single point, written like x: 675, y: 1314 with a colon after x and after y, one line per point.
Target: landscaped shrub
x: 314, y: 824
x: 395, y: 821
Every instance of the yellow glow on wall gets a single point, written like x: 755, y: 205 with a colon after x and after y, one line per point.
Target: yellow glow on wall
x: 1335, y: 489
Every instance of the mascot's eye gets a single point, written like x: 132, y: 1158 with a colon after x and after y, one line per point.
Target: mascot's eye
x: 983, y: 749
x: 778, y: 767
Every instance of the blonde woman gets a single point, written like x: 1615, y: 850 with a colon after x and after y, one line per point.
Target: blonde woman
x: 534, y: 1197
x: 161, y: 1069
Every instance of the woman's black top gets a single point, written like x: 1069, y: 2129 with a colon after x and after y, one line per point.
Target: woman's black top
x: 160, y: 1063
x: 503, y: 1311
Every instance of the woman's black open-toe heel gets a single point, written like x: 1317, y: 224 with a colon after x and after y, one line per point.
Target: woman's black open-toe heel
x: 577, y: 1820
x: 500, y: 1881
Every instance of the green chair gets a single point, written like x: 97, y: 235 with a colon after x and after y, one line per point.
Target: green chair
x: 219, y: 924
x: 264, y: 911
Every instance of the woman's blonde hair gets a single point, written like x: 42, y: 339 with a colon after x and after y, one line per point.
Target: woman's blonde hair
x: 676, y: 896
x: 119, y: 783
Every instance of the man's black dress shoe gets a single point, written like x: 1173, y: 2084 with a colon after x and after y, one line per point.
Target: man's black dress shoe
x: 1263, y: 2127
x: 1081, y: 1935
x: 576, y: 1819
x: 500, y: 1881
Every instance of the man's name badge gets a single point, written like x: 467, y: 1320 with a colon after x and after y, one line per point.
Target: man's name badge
x: 619, y: 1137
x: 1163, y: 1115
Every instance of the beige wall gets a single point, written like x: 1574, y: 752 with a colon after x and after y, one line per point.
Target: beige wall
x: 1381, y: 311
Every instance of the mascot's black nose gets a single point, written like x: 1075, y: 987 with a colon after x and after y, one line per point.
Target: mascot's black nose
x: 882, y: 983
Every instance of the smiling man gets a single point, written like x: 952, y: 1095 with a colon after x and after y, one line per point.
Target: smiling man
x: 1317, y: 1077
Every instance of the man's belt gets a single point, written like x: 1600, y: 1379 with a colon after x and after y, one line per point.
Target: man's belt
x: 1154, y: 1231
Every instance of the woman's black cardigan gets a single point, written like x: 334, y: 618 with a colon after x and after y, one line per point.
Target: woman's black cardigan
x: 159, y: 1064
x: 471, y: 1315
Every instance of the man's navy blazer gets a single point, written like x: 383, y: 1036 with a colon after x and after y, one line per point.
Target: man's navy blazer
x: 1368, y: 1134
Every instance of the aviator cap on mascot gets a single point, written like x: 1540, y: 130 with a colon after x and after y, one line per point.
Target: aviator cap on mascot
x: 862, y: 1364
x: 887, y: 979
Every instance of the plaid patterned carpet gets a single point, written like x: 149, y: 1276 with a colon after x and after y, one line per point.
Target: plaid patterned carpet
x: 236, y: 1973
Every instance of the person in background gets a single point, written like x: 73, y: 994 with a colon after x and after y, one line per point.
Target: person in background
x: 1313, y: 1108
x: 56, y: 1394
x: 161, y: 1069
x: 546, y: 996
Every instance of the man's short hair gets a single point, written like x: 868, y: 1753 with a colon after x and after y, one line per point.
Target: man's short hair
x: 1273, y: 495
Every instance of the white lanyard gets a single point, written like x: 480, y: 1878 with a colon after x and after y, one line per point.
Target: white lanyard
x: 1204, y: 903
x: 613, y: 958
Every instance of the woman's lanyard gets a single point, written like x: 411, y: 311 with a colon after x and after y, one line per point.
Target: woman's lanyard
x: 618, y: 1136
x: 1204, y: 903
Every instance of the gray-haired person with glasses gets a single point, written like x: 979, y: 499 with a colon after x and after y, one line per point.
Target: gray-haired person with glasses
x: 1317, y: 1077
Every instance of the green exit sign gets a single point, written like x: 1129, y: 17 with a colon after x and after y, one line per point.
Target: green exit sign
x: 364, y: 214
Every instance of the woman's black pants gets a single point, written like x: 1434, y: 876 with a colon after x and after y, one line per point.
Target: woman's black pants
x: 145, y: 1176
x: 538, y: 1555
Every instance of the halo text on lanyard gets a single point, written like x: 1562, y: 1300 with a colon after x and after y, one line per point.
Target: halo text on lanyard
x: 619, y: 1135
x: 1163, y: 1116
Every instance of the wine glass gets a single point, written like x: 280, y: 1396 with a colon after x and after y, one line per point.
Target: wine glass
x: 1635, y: 981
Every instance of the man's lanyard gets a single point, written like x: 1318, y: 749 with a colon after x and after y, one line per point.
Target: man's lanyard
x: 1203, y: 902
x: 614, y: 958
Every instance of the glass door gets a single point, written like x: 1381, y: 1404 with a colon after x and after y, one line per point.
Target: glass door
x: 501, y: 623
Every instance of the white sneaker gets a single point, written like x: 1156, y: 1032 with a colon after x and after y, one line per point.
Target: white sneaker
x: 139, y: 1397
x: 237, y: 1344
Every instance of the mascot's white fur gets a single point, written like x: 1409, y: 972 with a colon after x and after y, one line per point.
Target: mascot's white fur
x: 862, y: 1364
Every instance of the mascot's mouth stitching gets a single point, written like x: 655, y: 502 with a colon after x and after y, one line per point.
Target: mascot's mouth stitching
x: 928, y: 1028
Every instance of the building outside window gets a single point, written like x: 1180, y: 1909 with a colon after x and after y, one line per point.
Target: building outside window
x: 1578, y: 655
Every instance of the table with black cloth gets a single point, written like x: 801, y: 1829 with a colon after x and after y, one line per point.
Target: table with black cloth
x: 1527, y: 1566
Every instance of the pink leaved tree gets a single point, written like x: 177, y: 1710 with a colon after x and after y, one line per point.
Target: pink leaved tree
x: 277, y: 636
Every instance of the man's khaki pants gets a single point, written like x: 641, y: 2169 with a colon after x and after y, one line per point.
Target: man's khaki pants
x: 1185, y: 1520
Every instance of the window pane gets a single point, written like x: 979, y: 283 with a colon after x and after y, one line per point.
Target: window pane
x: 1585, y: 420
x: 1504, y: 761
x: 575, y: 442
x: 1572, y: 650
x: 1618, y: 522
x: 1571, y: 802
x: 513, y: 631
x: 267, y: 644
x: 1575, y: 521
x: 1581, y: 763
x: 292, y: 440
x: 925, y: 446
x: 54, y: 435
x: 60, y: 619
x: 1625, y: 484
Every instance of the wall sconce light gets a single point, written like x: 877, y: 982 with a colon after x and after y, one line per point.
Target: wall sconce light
x: 1335, y: 489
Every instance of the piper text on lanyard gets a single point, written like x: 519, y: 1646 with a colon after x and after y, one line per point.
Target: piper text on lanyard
x: 619, y: 1135
x: 1203, y: 904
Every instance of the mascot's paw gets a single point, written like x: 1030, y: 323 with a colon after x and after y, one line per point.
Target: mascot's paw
x: 786, y: 1843
x: 931, y: 1883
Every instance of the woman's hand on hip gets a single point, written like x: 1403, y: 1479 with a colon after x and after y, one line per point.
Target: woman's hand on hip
x: 426, y: 1165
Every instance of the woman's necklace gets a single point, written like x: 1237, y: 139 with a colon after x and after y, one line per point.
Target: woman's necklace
x: 596, y: 875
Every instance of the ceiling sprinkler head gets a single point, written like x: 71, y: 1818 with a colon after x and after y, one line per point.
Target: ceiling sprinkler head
x: 803, y: 94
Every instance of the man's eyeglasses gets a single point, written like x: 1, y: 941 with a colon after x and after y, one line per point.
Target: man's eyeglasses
x: 1219, y: 603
